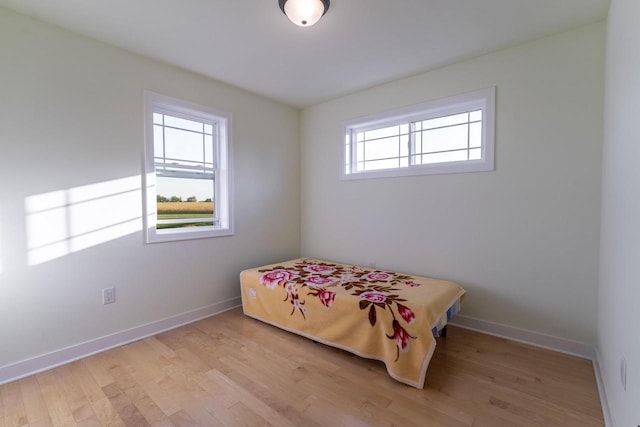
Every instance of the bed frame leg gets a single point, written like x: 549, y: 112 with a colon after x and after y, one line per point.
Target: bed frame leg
x: 443, y: 332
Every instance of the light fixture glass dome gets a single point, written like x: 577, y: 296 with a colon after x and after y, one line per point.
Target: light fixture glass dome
x: 304, y: 12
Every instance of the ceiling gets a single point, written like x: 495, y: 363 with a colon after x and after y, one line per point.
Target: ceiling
x: 356, y: 45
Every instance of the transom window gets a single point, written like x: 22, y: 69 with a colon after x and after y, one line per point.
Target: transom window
x: 444, y: 136
x: 187, y: 170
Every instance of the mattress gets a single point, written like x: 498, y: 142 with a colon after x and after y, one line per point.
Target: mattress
x: 376, y: 314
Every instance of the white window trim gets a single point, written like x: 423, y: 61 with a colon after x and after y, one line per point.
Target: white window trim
x: 481, y: 99
x: 223, y: 177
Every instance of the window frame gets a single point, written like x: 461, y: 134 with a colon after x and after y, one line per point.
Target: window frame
x: 222, y: 174
x: 483, y: 99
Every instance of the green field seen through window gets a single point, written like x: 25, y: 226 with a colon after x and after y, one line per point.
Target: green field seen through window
x: 185, y: 210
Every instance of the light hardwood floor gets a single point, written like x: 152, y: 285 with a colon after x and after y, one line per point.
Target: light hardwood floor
x: 234, y: 371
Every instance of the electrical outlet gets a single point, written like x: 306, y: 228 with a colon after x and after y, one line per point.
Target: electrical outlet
x: 108, y: 295
x: 372, y: 264
x: 623, y: 373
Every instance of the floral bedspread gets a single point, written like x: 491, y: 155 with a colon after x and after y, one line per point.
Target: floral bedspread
x: 375, y: 314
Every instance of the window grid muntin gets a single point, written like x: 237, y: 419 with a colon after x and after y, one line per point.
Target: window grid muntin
x: 189, y: 169
x: 207, y: 168
x: 357, y: 156
x: 467, y: 124
x: 481, y: 159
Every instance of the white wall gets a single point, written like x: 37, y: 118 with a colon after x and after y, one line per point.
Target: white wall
x: 71, y: 116
x: 619, y: 291
x: 523, y: 240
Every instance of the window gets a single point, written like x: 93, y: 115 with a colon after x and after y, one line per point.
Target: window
x: 450, y: 135
x: 187, y: 170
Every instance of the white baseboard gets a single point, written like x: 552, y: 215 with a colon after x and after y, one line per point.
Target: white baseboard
x: 549, y: 342
x: 9, y: 373
x: 606, y: 412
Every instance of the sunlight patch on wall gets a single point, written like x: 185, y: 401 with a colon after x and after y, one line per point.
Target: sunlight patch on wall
x: 66, y: 221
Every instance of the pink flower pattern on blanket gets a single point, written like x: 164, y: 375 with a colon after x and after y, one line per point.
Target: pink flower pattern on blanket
x: 277, y: 277
x: 326, y: 297
x: 375, y: 290
x: 291, y: 288
x: 378, y: 276
x: 319, y: 269
x: 400, y: 336
x: 317, y: 281
x: 406, y: 313
x: 373, y: 297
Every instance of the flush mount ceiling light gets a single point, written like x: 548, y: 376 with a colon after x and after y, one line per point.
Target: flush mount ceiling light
x: 304, y: 12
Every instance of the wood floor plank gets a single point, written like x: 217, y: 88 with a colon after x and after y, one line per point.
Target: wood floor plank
x: 206, y: 412
x: 124, y: 405
x: 182, y: 419
x: 274, y: 390
x: 106, y: 413
x: 242, y: 395
x: 35, y: 406
x: 85, y: 380
x: 74, y: 395
x: 58, y: 408
x: 159, y: 348
x: 231, y: 370
x: 246, y: 417
x: 13, y: 406
x: 213, y: 405
x: 136, y: 392
x: 99, y: 365
x: 327, y: 414
x: 3, y: 411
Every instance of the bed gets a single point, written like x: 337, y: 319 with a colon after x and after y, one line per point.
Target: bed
x: 376, y: 314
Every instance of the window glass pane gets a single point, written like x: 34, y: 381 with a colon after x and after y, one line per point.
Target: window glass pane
x: 183, y: 123
x: 417, y: 141
x: 360, y: 151
x: 184, y: 202
x: 450, y: 156
x: 158, y: 146
x: 208, y: 150
x: 382, y: 133
x: 360, y: 136
x: 157, y: 118
x: 381, y: 149
x: 184, y: 188
x: 445, y: 121
x: 404, y: 129
x: 444, y: 139
x: 475, y: 134
x: 475, y: 154
x: 475, y: 116
x: 404, y: 162
x: 183, y: 145
x: 208, y: 129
